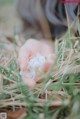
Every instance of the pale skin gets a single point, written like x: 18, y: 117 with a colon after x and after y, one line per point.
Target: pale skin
x: 28, y: 51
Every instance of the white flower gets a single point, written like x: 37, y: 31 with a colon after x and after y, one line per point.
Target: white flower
x: 28, y: 74
x: 37, y: 62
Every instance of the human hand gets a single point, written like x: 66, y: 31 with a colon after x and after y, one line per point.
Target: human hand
x: 28, y: 51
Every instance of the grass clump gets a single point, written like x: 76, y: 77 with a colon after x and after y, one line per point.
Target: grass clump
x: 57, y: 97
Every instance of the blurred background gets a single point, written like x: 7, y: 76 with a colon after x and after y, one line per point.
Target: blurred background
x: 9, y: 20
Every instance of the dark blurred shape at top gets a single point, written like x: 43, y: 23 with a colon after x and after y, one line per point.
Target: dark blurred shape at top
x: 48, y: 16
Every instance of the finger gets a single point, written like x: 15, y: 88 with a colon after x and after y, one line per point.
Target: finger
x: 46, y: 66
x: 29, y: 82
x: 23, y: 57
x: 25, y: 54
x: 49, y: 61
x: 39, y: 78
